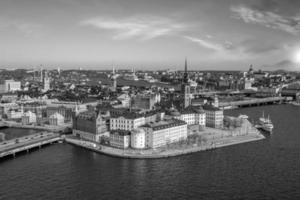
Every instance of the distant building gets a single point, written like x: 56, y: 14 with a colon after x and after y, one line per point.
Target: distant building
x: 145, y: 101
x: 28, y: 118
x: 10, y: 86
x: 125, y: 100
x: 14, y: 114
x: 65, y: 111
x: 56, y: 119
x: 46, y: 83
x: 164, y: 132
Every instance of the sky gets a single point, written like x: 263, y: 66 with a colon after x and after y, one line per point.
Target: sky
x: 150, y: 34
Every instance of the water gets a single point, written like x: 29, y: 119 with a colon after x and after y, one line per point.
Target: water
x: 267, y: 169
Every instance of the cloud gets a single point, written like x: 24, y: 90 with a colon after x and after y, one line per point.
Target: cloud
x: 209, y: 44
x: 267, y: 18
x: 143, y: 28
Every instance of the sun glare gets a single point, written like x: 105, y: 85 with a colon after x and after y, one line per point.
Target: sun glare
x: 297, y: 56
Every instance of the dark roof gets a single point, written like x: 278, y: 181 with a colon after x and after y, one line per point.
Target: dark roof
x: 192, y: 109
x: 164, y: 124
x: 210, y: 108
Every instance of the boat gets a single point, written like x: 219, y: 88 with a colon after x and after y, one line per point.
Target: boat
x: 296, y: 103
x: 266, y: 124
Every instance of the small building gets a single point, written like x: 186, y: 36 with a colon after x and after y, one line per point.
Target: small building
x: 120, y: 138
x: 138, y: 138
x: 56, y: 120
x: 29, y: 118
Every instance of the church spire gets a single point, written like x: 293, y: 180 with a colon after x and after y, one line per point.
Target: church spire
x: 185, y: 75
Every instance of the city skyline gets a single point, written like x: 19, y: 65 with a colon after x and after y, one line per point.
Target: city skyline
x: 217, y: 35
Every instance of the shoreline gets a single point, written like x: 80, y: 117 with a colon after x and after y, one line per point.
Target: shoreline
x: 142, y: 154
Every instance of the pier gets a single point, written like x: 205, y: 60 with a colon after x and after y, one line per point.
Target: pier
x: 26, y: 143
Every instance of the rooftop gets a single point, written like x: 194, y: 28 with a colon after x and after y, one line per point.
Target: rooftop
x: 164, y: 124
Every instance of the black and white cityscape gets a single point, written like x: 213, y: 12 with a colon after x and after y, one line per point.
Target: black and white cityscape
x: 149, y: 99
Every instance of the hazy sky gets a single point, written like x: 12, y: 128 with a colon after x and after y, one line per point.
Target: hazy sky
x: 213, y: 34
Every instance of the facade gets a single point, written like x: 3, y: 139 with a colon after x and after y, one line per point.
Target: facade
x: 89, y: 125
x: 29, y: 118
x: 193, y: 116
x: 14, y: 114
x: 145, y: 101
x: 119, y: 138
x: 164, y: 132
x: 56, y: 120
x: 10, y: 86
x: 138, y: 139
x: 126, y: 121
x: 214, y: 116
x: 66, y: 112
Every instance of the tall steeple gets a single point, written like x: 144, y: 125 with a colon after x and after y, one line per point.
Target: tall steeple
x: 185, y: 88
x: 185, y: 75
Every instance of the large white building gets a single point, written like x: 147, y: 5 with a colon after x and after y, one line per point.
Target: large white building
x: 165, y: 132
x: 193, y: 116
x: 127, y: 121
x: 10, y: 86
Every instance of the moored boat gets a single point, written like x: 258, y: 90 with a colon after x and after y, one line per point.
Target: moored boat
x: 266, y: 124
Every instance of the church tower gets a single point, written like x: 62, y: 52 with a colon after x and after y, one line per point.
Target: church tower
x: 46, y: 82
x: 114, y: 78
x: 185, y: 87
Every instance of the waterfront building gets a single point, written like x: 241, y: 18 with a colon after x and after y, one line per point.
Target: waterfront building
x: 56, y: 119
x: 89, y: 125
x: 214, y: 116
x: 119, y: 138
x: 29, y: 118
x: 138, y: 138
x: 165, y: 132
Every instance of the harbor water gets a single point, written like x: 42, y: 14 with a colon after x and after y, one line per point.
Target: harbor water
x: 265, y: 169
